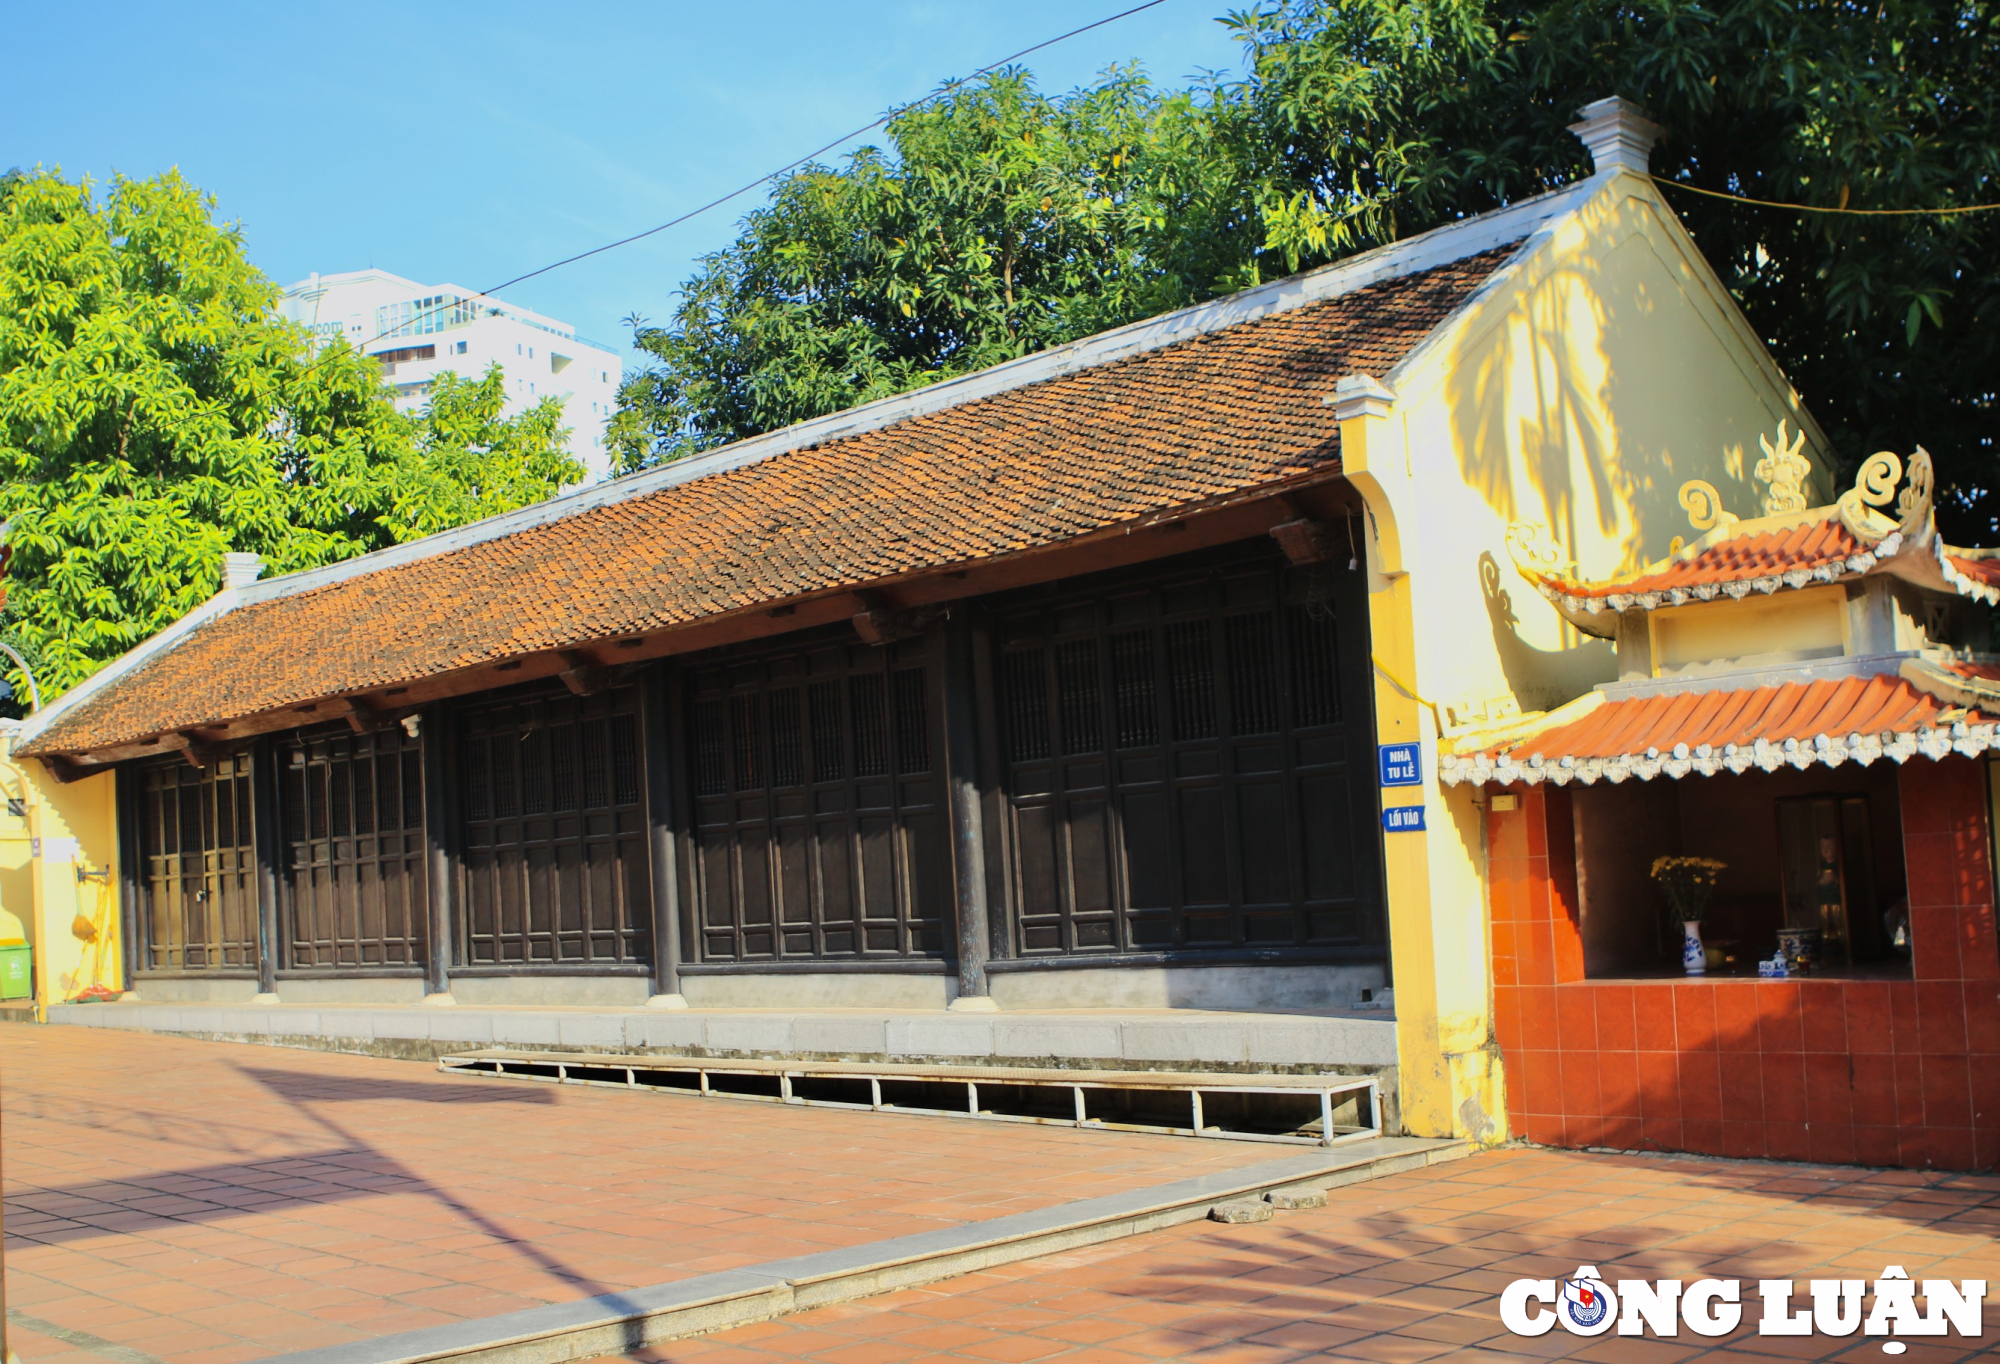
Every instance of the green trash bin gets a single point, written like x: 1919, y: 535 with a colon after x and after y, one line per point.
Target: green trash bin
x: 17, y: 972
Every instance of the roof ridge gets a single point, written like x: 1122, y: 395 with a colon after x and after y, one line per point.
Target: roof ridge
x: 1414, y: 255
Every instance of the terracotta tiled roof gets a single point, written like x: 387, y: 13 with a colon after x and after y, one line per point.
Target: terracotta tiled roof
x: 1818, y: 548
x: 1761, y: 554
x: 1984, y: 571
x: 1198, y: 420
x: 1677, y: 734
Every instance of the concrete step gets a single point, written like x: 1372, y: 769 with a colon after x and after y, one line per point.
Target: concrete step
x: 623, y: 1322
x: 1302, y: 1041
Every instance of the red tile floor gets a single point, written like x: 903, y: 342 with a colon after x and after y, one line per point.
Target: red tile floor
x: 1408, y: 1269
x: 208, y: 1203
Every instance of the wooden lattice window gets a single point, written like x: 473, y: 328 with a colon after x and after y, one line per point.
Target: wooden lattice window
x: 555, y: 868
x: 199, y: 855
x: 819, y: 824
x: 1178, y: 767
x: 354, y: 875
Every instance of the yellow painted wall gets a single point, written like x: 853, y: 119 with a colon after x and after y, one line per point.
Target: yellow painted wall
x: 17, y: 885
x: 1589, y: 382
x: 72, y: 827
x: 1797, y: 624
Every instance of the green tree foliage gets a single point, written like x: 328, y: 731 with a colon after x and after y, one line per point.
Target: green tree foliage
x: 999, y: 221
x: 1378, y: 119
x: 155, y: 413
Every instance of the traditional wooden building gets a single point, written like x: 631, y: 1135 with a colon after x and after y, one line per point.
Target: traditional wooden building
x: 1136, y: 674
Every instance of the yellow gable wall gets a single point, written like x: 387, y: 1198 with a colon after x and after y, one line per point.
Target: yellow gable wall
x: 1580, y: 396
x: 1585, y: 386
x: 61, y: 830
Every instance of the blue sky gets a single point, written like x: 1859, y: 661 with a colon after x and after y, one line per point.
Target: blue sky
x: 472, y: 142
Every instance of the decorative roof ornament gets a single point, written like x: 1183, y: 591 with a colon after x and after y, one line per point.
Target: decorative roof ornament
x: 1876, y: 481
x: 1885, y: 523
x: 1535, y: 552
x: 1785, y: 470
x: 1915, y: 500
x: 1864, y: 506
x: 1703, y: 504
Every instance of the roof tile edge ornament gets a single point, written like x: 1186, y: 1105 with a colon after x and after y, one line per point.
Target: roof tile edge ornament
x: 1933, y: 742
x: 1537, y: 557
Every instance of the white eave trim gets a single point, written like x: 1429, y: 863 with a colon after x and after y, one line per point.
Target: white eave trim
x: 1824, y: 750
x: 1831, y: 571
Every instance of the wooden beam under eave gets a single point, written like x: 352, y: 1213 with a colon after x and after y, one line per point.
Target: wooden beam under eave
x: 1307, y: 542
x: 584, y: 676
x: 200, y: 752
x: 66, y: 769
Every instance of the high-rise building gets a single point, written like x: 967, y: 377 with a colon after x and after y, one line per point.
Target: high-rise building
x: 416, y: 331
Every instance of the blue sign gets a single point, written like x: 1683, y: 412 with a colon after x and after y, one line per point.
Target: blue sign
x: 1403, y: 819
x: 1402, y: 764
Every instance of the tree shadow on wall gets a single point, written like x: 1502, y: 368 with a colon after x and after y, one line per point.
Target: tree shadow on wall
x: 1527, y: 668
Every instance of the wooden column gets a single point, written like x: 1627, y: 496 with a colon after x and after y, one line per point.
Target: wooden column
x: 992, y: 801
x: 264, y: 841
x: 968, y: 822
x: 440, y: 847
x: 131, y: 867
x: 660, y: 700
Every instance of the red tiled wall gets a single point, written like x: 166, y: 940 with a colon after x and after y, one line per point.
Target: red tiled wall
x: 1868, y: 1072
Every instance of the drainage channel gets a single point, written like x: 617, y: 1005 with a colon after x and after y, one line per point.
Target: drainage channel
x: 1310, y: 1110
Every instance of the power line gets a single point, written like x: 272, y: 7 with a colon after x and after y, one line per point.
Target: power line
x: 821, y: 151
x: 1820, y: 208
x: 762, y: 179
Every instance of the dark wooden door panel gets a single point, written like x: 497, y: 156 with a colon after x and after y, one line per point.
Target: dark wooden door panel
x: 199, y: 855
x: 1177, y: 766
x: 555, y: 866
x: 353, y: 868
x: 818, y: 828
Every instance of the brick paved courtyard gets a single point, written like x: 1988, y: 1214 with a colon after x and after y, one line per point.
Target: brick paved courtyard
x: 1408, y: 1269
x: 207, y: 1203
x: 204, y: 1203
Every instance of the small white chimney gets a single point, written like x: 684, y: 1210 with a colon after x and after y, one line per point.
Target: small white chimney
x: 240, y: 570
x: 1618, y: 134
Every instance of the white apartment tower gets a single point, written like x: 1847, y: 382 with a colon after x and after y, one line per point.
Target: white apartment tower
x: 415, y: 331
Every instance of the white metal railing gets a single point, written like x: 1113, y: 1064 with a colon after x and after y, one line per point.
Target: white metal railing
x: 1255, y: 1107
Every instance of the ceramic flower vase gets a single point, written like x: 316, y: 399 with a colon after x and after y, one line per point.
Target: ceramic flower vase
x: 1692, y: 956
